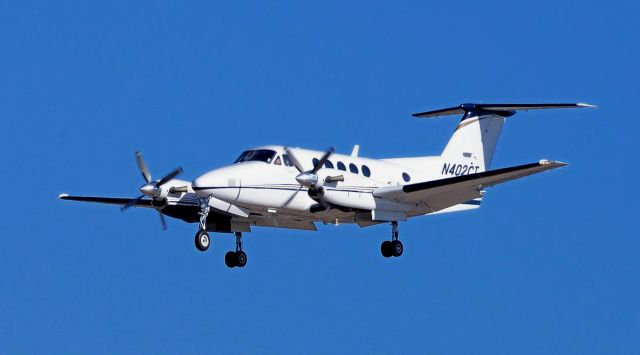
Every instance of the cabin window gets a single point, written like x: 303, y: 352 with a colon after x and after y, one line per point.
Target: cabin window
x: 315, y: 162
x: 353, y: 168
x: 341, y: 166
x: 406, y: 177
x: 365, y: 171
x: 278, y: 161
x: 263, y: 155
x: 328, y: 164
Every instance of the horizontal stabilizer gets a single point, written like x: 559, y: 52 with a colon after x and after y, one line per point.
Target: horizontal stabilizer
x: 499, y: 109
x: 444, y: 193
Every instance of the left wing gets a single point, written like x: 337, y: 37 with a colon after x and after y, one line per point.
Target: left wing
x: 108, y: 200
x: 186, y: 207
x: 440, y: 194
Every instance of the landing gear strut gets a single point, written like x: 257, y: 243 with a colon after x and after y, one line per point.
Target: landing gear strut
x: 394, y: 246
x: 202, y: 239
x: 236, y: 258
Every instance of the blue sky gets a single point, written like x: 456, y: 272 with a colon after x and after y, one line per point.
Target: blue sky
x: 548, y: 265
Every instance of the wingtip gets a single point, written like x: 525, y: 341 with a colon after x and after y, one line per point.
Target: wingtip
x: 553, y: 162
x: 63, y: 196
x: 586, y: 105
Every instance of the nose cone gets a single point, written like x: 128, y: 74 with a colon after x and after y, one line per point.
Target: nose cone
x: 211, y: 183
x: 202, y: 185
x: 198, y: 183
x: 226, y: 183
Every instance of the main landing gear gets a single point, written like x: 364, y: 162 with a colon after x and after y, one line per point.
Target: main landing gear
x: 394, y: 246
x: 236, y: 258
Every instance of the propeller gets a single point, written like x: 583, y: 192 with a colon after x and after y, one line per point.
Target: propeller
x: 309, y: 178
x: 153, y: 188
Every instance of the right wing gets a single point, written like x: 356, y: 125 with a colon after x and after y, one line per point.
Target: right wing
x: 440, y: 194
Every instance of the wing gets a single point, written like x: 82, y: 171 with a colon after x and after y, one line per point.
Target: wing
x: 120, y: 201
x: 186, y: 207
x: 439, y: 194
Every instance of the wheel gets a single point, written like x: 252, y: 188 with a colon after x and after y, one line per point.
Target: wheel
x: 385, y: 249
x: 241, y: 259
x: 397, y: 248
x: 202, y: 240
x: 230, y: 259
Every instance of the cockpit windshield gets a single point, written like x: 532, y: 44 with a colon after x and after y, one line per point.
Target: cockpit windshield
x: 264, y: 155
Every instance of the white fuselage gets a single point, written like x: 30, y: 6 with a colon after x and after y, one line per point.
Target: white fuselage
x: 269, y: 187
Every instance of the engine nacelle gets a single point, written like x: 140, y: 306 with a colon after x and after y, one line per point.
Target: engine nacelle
x: 159, y: 203
x: 316, y: 193
x: 161, y: 192
x: 175, y: 188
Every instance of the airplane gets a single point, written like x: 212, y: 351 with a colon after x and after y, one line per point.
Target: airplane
x: 282, y: 187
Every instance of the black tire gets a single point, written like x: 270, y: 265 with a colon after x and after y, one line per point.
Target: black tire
x: 241, y: 259
x: 385, y: 249
x: 202, y: 240
x: 397, y: 248
x: 230, y: 259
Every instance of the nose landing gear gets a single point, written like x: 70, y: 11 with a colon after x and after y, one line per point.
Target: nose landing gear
x: 236, y: 258
x: 202, y: 239
x: 394, y: 246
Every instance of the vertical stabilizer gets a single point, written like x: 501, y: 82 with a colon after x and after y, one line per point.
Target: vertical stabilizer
x: 473, y: 142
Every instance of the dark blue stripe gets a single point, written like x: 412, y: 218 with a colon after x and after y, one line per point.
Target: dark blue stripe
x: 472, y: 202
x: 199, y: 188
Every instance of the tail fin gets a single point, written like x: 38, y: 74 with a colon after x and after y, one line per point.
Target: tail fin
x: 474, y: 141
x: 471, y: 148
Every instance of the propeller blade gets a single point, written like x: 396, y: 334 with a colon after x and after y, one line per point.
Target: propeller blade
x: 131, y: 203
x: 291, y: 198
x: 164, y: 223
x: 294, y: 160
x: 143, y: 167
x: 169, y: 177
x: 322, y: 161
